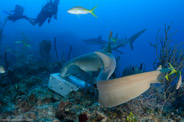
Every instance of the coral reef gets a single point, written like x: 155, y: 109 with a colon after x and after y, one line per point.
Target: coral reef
x: 130, y: 70
x: 45, y: 47
x: 1, y: 30
x: 166, y: 53
x: 24, y: 96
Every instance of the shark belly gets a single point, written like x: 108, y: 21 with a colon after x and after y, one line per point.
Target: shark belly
x: 88, y: 63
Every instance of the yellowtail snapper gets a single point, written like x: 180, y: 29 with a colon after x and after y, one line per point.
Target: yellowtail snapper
x: 78, y: 10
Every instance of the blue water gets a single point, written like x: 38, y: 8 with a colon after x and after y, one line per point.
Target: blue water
x: 125, y: 17
x: 23, y: 85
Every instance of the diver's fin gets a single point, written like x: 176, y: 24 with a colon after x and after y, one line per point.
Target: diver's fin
x: 134, y: 37
x: 92, y: 11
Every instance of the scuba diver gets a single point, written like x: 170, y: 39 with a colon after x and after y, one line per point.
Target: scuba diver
x: 16, y: 14
x: 47, y: 12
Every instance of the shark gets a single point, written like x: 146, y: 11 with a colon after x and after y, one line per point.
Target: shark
x: 129, y: 41
x: 96, y: 41
x: 121, y: 90
x: 103, y: 43
x: 116, y: 43
x: 102, y: 61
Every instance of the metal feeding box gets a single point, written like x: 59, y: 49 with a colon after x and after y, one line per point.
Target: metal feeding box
x: 60, y: 85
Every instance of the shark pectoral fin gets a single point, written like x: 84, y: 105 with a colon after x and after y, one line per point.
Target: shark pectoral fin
x: 102, y: 75
x: 131, y: 45
x: 65, y: 69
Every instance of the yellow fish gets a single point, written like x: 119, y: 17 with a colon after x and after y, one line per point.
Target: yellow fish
x: 80, y: 10
x: 173, y: 71
x: 114, y: 40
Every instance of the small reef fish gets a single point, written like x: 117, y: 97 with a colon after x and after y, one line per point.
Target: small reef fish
x: 24, y: 43
x: 2, y: 70
x: 80, y: 10
x: 114, y: 40
x: 178, y: 73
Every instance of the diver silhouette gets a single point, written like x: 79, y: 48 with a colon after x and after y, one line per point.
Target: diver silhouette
x: 48, y: 11
x: 16, y: 14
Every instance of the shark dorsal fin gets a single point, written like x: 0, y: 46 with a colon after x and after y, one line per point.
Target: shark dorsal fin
x: 107, y: 48
x: 109, y: 44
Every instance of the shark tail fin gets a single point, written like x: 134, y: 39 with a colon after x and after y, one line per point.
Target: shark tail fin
x: 134, y: 37
x: 92, y: 11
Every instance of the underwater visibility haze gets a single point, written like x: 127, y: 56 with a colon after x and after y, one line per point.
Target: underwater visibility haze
x: 91, y: 60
